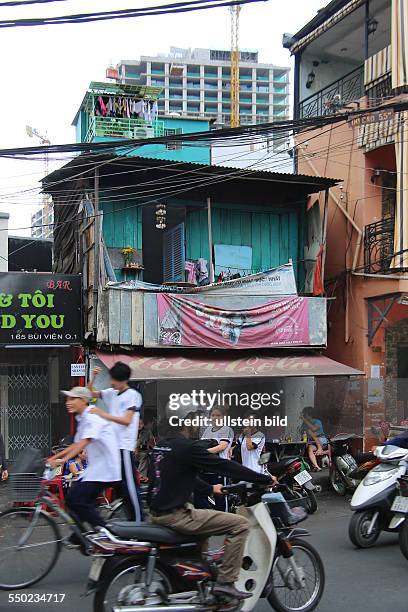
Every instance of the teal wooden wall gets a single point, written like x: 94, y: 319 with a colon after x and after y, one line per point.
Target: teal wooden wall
x: 275, y: 236
x: 121, y: 227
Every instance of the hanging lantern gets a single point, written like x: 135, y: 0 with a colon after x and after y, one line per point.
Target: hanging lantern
x: 161, y: 216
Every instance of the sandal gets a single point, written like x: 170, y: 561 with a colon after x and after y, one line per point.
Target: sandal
x: 314, y: 469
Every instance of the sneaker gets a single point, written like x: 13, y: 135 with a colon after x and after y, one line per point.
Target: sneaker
x: 73, y: 542
x: 229, y: 589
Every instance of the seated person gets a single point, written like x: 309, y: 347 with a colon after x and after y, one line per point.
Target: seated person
x: 316, y: 437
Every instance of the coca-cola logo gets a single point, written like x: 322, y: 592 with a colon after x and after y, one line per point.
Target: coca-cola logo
x: 170, y: 336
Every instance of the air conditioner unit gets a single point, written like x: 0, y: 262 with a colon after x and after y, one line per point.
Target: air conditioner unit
x: 143, y: 132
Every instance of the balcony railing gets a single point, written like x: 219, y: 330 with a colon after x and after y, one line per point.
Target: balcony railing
x: 379, y: 92
x: 336, y: 95
x: 379, y: 246
x: 118, y: 127
x: 135, y: 322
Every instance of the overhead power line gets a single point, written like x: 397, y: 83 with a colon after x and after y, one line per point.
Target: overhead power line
x: 22, y: 3
x: 163, y: 9
x: 209, y: 136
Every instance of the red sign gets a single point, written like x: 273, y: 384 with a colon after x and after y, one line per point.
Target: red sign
x: 112, y: 73
x: 278, y: 322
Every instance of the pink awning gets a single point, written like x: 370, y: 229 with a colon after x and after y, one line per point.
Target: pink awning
x: 177, y: 365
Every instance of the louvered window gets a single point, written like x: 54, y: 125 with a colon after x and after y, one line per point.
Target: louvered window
x: 174, y: 256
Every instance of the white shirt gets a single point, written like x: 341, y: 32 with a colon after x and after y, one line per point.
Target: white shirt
x: 223, y: 434
x: 250, y: 457
x: 102, y: 452
x: 118, y: 403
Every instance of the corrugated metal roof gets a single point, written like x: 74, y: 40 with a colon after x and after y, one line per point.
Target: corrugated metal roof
x: 313, y: 183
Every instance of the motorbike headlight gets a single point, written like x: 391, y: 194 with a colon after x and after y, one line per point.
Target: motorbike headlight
x: 374, y: 477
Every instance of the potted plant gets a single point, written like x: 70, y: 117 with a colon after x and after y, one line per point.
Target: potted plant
x: 128, y: 253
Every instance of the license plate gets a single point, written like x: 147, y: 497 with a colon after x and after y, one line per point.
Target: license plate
x: 303, y: 477
x: 400, y: 504
x: 96, y: 568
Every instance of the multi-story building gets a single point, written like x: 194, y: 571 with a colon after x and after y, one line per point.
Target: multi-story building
x: 111, y: 111
x: 351, y: 57
x: 197, y: 83
x: 42, y: 220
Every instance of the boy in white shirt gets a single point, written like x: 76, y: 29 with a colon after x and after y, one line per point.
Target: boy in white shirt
x: 252, y: 444
x: 124, y: 406
x: 103, y: 467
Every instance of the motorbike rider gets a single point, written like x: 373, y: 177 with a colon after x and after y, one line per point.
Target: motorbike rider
x: 401, y: 440
x: 176, y: 464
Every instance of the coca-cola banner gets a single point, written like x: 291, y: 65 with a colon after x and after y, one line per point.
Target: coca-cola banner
x: 279, y: 322
x: 183, y: 364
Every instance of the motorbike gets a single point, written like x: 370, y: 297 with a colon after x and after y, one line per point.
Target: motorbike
x: 148, y: 568
x: 373, y: 499
x: 293, y: 474
x: 346, y: 470
x: 400, y: 518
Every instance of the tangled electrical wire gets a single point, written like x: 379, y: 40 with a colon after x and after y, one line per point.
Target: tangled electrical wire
x: 163, y: 9
x: 242, y: 135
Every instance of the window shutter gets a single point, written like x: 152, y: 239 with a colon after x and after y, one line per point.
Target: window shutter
x: 174, y: 254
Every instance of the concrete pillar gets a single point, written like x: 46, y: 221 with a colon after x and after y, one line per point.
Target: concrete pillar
x: 166, y: 88
x: 202, y: 106
x: 148, y: 73
x: 219, y: 94
x: 271, y: 101
x: 4, y: 219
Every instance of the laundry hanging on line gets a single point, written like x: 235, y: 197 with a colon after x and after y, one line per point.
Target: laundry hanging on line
x: 126, y: 108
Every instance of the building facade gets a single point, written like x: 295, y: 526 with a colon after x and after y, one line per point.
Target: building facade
x: 42, y: 220
x: 122, y: 112
x: 259, y: 328
x: 197, y: 83
x: 350, y: 58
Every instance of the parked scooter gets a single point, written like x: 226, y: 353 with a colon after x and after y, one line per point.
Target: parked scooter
x: 400, y: 518
x: 374, y: 497
x: 346, y: 470
x: 144, y: 567
x: 293, y: 474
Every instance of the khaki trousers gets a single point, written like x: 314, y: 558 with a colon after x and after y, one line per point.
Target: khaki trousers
x: 188, y: 521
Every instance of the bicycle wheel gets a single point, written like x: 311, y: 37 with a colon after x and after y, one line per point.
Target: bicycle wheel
x: 30, y: 543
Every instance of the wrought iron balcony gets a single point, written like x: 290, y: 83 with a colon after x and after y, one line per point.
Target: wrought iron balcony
x: 380, y: 92
x: 379, y: 246
x: 336, y: 95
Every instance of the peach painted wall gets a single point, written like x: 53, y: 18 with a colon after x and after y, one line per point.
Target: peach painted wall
x: 334, y: 152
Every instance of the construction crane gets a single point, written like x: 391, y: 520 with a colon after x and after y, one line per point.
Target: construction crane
x: 235, y: 65
x: 44, y: 140
x: 47, y: 200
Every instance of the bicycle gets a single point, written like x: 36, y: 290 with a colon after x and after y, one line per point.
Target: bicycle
x: 31, y: 535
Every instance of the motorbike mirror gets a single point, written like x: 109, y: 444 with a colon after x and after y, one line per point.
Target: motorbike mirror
x: 264, y: 458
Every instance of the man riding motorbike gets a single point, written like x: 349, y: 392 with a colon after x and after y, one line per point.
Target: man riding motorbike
x: 176, y: 464
x: 401, y: 440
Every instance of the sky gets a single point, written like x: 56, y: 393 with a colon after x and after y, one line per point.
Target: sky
x: 47, y: 69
